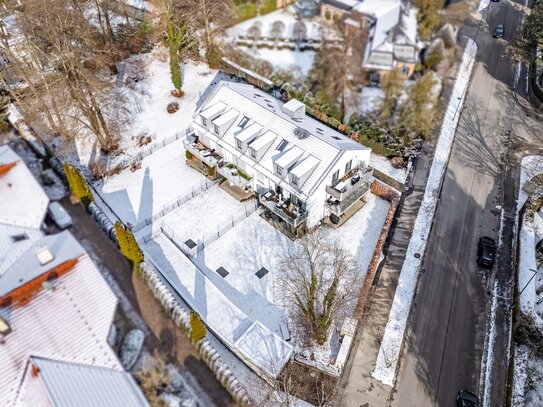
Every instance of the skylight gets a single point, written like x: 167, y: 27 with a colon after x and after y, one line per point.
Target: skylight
x: 44, y: 256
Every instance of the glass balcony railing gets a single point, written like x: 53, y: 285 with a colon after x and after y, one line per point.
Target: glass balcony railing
x: 291, y: 213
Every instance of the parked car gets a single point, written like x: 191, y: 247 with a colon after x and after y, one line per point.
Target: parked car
x: 59, y: 215
x: 499, y: 31
x: 486, y: 252
x: 465, y: 398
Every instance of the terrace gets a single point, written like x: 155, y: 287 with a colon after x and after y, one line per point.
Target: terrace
x: 344, y: 192
x: 292, y: 213
x: 234, y: 175
x: 203, y: 153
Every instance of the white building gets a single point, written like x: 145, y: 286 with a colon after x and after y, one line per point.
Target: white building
x: 301, y: 169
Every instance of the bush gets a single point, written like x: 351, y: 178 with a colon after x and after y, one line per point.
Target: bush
x: 197, y: 327
x: 267, y: 6
x: 212, y: 172
x: 188, y: 155
x: 245, y: 11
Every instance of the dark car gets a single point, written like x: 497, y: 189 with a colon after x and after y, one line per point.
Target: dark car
x: 499, y: 31
x: 486, y: 251
x: 465, y: 398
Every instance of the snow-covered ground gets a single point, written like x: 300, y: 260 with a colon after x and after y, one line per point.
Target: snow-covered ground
x: 143, y: 83
x: 254, y: 244
x: 383, y: 164
x: 389, y: 351
x: 203, y: 215
x: 531, y: 165
x: 297, y: 62
x: 300, y: 61
x: 528, y: 378
x: 163, y: 178
x: 370, y: 100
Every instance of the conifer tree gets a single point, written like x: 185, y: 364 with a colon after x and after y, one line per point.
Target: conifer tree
x: 197, y: 327
x: 78, y: 185
x: 128, y: 244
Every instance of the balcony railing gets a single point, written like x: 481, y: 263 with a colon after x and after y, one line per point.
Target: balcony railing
x: 234, y: 175
x: 339, y: 207
x: 208, y: 156
x: 291, y: 213
x: 349, y: 184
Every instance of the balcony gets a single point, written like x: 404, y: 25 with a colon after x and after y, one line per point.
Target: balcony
x: 234, y: 175
x: 348, y: 189
x: 206, y: 155
x: 291, y: 213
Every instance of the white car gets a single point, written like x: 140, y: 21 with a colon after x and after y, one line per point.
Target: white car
x: 59, y: 215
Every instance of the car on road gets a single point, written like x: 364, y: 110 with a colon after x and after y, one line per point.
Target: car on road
x: 486, y: 252
x: 499, y: 31
x: 59, y: 215
x: 465, y: 398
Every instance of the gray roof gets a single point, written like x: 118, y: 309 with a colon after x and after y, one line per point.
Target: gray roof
x: 72, y: 384
x: 310, y: 125
x: 63, y: 246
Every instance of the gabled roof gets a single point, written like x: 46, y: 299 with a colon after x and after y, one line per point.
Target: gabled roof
x: 14, y: 242
x: 23, y: 203
x: 309, y: 136
x: 69, y: 384
x: 70, y: 322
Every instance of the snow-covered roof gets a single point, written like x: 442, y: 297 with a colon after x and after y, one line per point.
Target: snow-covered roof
x: 264, y: 348
x: 310, y: 136
x: 342, y: 4
x: 67, y: 384
x: 304, y: 166
x: 27, y: 267
x: 407, y: 33
x: 14, y: 241
x: 69, y: 323
x: 24, y: 203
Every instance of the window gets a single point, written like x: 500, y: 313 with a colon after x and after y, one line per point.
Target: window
x: 282, y: 145
x: 216, y: 128
x: 204, y: 121
x: 278, y: 169
x: 335, y: 176
x: 294, y: 180
x: 243, y: 122
x: 238, y: 143
x: 348, y: 166
x: 19, y: 238
x: 253, y: 153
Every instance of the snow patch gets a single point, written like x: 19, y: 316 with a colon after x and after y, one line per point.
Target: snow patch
x: 389, y: 351
x: 383, y: 164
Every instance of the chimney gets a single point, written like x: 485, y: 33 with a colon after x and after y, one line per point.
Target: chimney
x: 294, y: 109
x: 35, y: 370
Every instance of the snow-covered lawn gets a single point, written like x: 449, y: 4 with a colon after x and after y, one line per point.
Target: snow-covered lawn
x: 163, y: 178
x: 204, y: 215
x: 281, y: 58
x: 383, y: 164
x: 144, y: 84
x: 389, y: 351
x: 254, y: 244
x: 530, y: 166
x: 298, y: 62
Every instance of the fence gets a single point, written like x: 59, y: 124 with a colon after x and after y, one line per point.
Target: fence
x: 208, y: 238
x: 167, y: 208
x: 153, y: 148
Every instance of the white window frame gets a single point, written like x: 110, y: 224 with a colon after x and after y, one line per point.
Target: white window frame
x: 294, y: 180
x: 239, y: 144
x: 252, y: 151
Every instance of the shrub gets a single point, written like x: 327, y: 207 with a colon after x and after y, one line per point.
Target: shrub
x: 172, y: 107
x: 78, y: 185
x: 267, y: 6
x: 197, y: 327
x: 128, y: 245
x: 245, y: 11
x: 188, y: 155
x: 212, y: 172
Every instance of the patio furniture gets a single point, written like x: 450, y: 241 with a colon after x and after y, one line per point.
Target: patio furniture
x: 340, y: 186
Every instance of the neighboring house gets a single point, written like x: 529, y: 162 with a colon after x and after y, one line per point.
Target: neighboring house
x: 301, y: 169
x: 54, y: 304
x: 390, y: 27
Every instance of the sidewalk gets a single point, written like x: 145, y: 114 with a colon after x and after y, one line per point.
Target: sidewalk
x: 357, y: 386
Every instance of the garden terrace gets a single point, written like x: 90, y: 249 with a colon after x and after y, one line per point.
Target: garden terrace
x: 285, y: 209
x: 206, y: 155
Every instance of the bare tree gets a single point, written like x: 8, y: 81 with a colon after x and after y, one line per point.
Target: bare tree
x: 320, y: 284
x: 212, y: 17
x: 392, y: 84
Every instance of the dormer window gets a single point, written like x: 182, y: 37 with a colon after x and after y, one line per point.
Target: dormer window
x: 239, y: 144
x: 294, y: 180
x: 216, y: 129
x: 278, y: 170
x: 252, y: 151
x: 204, y: 121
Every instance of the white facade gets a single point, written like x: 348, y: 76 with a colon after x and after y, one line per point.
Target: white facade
x: 282, y: 151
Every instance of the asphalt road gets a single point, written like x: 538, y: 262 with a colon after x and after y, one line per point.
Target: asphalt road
x: 445, y: 343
